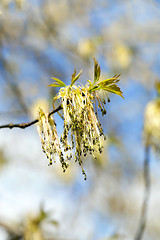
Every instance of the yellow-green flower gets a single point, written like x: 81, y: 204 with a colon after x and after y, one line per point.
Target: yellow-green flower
x: 49, y: 138
x: 82, y: 131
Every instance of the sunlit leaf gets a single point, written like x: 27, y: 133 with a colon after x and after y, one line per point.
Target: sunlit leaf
x: 97, y: 71
x: 108, y: 81
x: 90, y: 83
x: 112, y: 80
x: 113, y: 89
x: 53, y: 85
x: 74, y: 77
x: 110, y: 86
x: 94, y: 88
x: 57, y: 83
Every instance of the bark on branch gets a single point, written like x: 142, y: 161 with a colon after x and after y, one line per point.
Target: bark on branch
x: 28, y: 124
x: 143, y: 218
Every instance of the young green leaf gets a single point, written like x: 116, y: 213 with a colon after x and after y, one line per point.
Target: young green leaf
x: 74, y: 77
x: 57, y: 83
x: 90, y: 83
x: 97, y: 71
x: 110, y: 86
x: 108, y: 82
x: 113, y: 89
x: 94, y: 88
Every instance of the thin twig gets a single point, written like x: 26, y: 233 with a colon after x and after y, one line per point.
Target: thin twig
x: 25, y: 125
x: 143, y: 218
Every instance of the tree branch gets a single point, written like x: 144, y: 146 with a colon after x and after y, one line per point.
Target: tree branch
x: 25, y: 125
x: 143, y: 218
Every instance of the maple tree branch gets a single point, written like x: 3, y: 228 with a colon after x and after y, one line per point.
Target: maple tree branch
x: 143, y: 218
x: 28, y: 124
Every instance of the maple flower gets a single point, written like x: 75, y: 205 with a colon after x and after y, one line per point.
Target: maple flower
x: 82, y: 131
x: 49, y: 138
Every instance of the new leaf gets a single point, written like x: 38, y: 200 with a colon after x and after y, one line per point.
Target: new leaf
x: 75, y: 77
x: 97, y: 71
x: 57, y: 83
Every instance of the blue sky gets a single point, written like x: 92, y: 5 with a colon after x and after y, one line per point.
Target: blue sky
x: 26, y: 180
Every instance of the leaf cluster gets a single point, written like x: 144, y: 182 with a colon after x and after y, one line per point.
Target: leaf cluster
x: 107, y: 85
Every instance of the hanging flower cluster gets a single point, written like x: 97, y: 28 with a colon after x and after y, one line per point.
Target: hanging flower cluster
x: 82, y: 130
x: 49, y: 138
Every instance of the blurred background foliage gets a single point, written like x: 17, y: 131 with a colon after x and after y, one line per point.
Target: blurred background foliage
x: 40, y: 39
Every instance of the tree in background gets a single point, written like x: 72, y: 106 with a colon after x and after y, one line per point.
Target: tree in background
x: 39, y: 39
